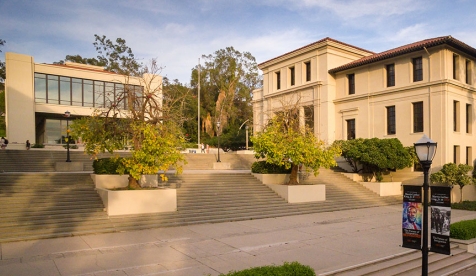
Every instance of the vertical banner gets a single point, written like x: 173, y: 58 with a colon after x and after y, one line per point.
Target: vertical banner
x: 412, y: 216
x: 440, y: 219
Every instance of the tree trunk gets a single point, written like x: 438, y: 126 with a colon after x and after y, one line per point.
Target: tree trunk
x: 133, y: 184
x: 293, y: 178
x: 461, y: 191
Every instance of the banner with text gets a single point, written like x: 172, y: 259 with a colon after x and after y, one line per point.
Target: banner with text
x: 412, y: 216
x: 440, y: 219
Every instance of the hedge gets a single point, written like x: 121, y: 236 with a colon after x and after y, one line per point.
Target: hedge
x: 287, y: 269
x: 263, y: 167
x: 107, y: 165
x: 463, y: 230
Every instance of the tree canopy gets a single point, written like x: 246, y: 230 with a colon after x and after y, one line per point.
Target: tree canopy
x: 113, y: 56
x: 227, y: 80
x: 284, y: 142
x: 376, y: 156
x: 453, y: 174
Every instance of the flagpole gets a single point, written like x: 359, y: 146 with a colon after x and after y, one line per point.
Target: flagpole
x: 198, y: 128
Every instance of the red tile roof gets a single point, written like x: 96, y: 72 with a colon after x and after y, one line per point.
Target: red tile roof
x: 413, y: 47
x: 312, y: 45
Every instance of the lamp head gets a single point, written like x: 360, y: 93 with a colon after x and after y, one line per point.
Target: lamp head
x: 218, y: 124
x: 425, y: 149
x: 67, y: 113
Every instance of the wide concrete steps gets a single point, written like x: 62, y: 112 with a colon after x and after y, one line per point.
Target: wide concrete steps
x: 409, y: 263
x: 46, y: 205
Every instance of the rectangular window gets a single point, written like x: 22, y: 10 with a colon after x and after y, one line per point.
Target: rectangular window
x: 65, y: 90
x: 456, y: 116
x: 278, y: 80
x: 292, y: 75
x: 417, y: 69
x: 391, y: 127
x: 469, y: 118
x: 98, y: 93
x: 53, y: 89
x: 121, y: 98
x: 351, y: 82
x: 40, y: 88
x: 418, y: 117
x: 350, y: 129
x: 77, y: 91
x: 308, y: 70
x: 456, y: 155
x: 468, y: 71
x: 309, y: 117
x: 455, y: 67
x: 88, y: 93
x: 390, y: 75
x: 469, y: 156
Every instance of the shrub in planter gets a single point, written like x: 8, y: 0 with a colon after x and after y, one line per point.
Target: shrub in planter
x: 266, y: 168
x: 293, y: 268
x: 108, y: 165
x: 38, y: 146
x: 463, y: 230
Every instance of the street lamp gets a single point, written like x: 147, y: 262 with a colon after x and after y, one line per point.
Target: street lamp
x: 67, y: 114
x: 425, y: 149
x: 246, y: 128
x: 218, y: 135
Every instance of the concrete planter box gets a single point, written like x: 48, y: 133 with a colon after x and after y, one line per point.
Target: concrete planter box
x: 149, y: 180
x: 300, y: 193
x: 130, y: 202
x: 468, y: 245
x: 384, y: 188
x: 272, y: 178
x: 110, y: 181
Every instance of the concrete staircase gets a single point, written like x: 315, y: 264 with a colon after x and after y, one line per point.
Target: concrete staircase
x: 409, y: 263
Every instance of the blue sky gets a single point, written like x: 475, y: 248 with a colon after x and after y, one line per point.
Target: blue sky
x: 179, y: 32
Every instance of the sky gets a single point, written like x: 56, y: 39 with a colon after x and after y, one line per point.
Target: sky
x: 178, y: 32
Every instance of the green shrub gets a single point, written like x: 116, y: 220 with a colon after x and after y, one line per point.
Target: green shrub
x: 463, y: 230
x: 287, y: 269
x: 71, y: 146
x: 108, y: 165
x: 263, y: 167
x: 38, y: 146
x: 465, y: 205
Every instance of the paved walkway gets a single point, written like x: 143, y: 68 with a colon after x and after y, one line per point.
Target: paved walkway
x: 324, y: 241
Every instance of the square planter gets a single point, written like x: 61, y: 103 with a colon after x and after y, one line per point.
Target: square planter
x: 300, y: 193
x: 274, y: 178
x: 149, y: 180
x: 110, y: 181
x: 384, y: 188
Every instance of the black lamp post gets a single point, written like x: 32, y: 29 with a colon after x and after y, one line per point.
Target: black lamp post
x: 67, y: 114
x: 218, y: 135
x: 425, y: 149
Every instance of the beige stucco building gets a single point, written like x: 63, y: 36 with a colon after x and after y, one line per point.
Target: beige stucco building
x: 345, y: 92
x: 38, y: 95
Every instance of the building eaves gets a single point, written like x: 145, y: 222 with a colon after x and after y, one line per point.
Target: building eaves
x: 310, y: 46
x: 84, y: 68
x: 412, y: 47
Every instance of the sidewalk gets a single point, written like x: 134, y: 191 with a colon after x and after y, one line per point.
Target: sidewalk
x: 324, y: 241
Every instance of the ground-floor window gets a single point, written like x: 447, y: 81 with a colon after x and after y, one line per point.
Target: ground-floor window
x: 51, y: 129
x: 350, y: 129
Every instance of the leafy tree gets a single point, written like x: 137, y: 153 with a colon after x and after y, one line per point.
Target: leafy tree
x: 376, y: 156
x: 150, y: 125
x: 227, y: 80
x: 114, y: 56
x: 2, y: 66
x: 453, y: 174
x: 284, y: 142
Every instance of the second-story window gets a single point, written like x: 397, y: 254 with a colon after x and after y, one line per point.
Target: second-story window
x: 390, y: 75
x: 455, y: 116
x: 455, y: 67
x: 417, y: 69
x: 308, y: 70
x: 292, y: 75
x: 278, y: 80
x: 351, y: 83
x: 468, y: 71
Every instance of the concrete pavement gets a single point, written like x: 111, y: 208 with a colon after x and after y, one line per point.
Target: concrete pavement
x: 324, y: 241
